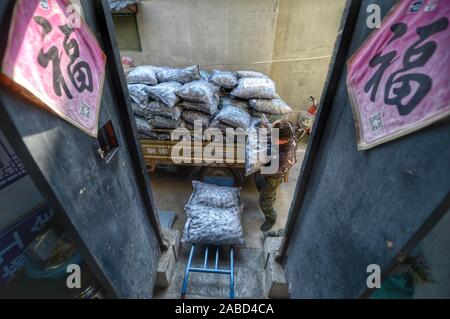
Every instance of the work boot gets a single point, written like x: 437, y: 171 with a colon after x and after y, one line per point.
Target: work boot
x: 268, y: 224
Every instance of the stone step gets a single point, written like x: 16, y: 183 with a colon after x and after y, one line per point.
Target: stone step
x: 275, y: 278
x: 168, y: 259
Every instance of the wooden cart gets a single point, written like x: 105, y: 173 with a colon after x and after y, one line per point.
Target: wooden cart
x: 204, y: 163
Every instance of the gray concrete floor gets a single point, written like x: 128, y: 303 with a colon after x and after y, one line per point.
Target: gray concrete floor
x: 172, y: 188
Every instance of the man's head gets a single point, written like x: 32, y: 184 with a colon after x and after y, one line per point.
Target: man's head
x: 285, y: 132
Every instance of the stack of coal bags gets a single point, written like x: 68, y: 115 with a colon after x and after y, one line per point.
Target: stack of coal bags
x: 200, y: 101
x: 260, y: 91
x: 246, y: 95
x: 153, y: 99
x: 213, y: 216
x: 166, y: 98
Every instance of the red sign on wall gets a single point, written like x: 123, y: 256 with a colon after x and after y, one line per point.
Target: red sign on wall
x: 398, y: 81
x: 53, y: 54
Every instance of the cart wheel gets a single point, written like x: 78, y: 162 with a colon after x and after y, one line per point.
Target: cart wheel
x: 199, y: 173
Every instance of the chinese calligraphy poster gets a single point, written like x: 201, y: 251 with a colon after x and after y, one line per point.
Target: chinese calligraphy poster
x: 54, y: 56
x: 398, y: 80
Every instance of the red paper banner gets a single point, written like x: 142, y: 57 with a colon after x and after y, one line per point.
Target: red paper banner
x: 399, y: 80
x: 53, y: 55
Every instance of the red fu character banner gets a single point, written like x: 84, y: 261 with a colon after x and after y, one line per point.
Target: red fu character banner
x: 54, y: 56
x: 399, y: 80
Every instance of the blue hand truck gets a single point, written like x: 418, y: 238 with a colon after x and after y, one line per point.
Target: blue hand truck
x: 205, y: 269
x: 222, y: 181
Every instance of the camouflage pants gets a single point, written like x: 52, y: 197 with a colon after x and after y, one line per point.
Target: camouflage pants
x: 267, y: 187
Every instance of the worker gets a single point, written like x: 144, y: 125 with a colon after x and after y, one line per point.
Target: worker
x: 268, y: 184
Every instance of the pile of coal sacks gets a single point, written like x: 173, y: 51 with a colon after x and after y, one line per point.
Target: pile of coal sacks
x: 166, y: 98
x: 213, y: 216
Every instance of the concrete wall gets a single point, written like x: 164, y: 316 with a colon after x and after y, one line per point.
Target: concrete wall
x: 306, y: 31
x: 290, y: 40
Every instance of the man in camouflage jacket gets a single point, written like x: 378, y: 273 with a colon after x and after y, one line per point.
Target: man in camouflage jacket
x: 268, y: 184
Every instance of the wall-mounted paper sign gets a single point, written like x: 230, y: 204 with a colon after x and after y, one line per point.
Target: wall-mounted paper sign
x: 399, y: 80
x: 54, y: 56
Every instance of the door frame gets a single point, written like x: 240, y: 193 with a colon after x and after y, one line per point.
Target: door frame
x: 113, y: 60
